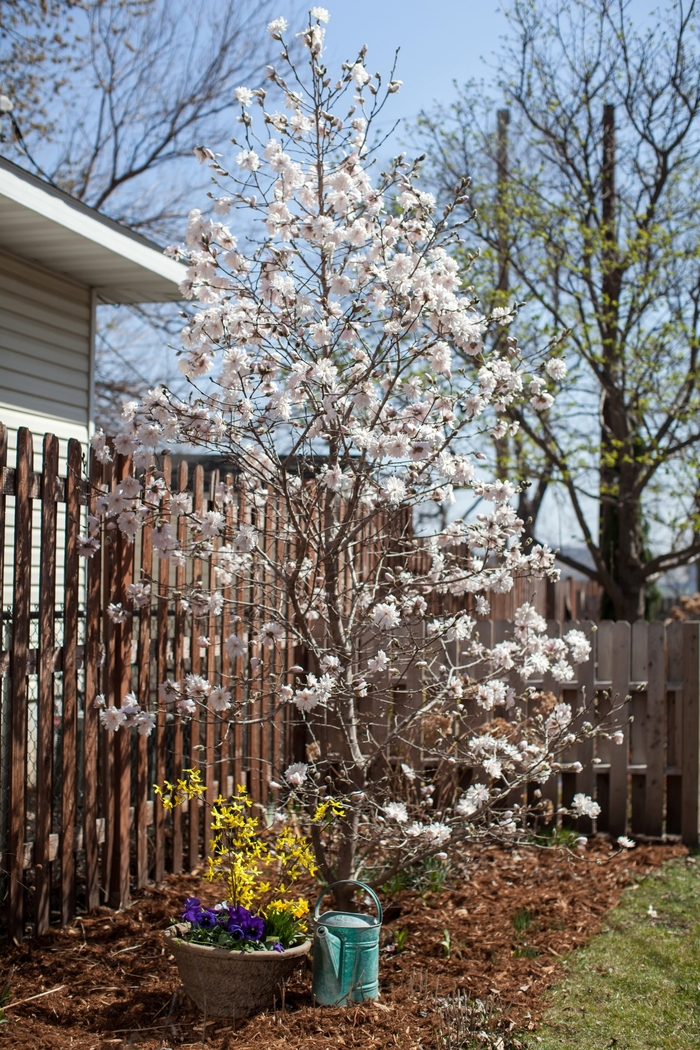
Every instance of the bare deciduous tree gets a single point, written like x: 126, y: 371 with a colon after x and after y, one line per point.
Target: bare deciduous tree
x: 597, y: 218
x: 110, y: 98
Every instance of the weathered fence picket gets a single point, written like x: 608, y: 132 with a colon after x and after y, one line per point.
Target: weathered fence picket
x: 78, y: 824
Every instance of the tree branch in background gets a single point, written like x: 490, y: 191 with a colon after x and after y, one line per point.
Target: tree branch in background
x: 110, y: 98
x: 594, y: 224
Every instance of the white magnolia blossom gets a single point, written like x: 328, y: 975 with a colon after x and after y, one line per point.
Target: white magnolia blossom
x: 116, y: 613
x: 475, y: 797
x: 169, y: 691
x: 396, y: 811
x: 219, y: 699
x: 139, y: 594
x: 316, y: 691
x: 271, y: 634
x: 378, y: 664
x: 236, y: 646
x: 584, y: 806
x: 112, y: 718
x: 434, y: 834
x: 386, y: 616
x: 295, y: 775
x: 145, y: 722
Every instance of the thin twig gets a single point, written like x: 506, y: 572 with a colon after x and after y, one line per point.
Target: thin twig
x: 167, y: 1020
x: 29, y: 998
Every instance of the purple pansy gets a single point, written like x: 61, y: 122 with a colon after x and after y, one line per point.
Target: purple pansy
x: 240, y: 923
x: 192, y: 911
x: 277, y: 947
x: 243, y: 925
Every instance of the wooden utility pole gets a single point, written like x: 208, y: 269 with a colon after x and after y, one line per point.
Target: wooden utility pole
x: 609, y: 524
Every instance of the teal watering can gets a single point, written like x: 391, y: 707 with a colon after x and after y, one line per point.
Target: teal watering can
x: 346, y: 952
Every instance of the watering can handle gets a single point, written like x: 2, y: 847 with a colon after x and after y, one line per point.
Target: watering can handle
x: 346, y: 882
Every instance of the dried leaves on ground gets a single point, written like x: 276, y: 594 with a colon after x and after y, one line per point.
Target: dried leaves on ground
x: 498, y: 932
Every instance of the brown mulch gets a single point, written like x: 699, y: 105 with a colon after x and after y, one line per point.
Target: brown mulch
x: 122, y: 990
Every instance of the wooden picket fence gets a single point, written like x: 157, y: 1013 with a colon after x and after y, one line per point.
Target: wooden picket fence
x: 78, y: 824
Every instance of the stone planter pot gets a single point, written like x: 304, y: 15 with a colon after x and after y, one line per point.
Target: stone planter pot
x: 231, y: 984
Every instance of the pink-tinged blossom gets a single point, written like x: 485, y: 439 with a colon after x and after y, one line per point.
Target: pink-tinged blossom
x: 130, y: 705
x: 116, y: 613
x: 295, y: 775
x: 169, y: 691
x: 112, y: 719
x: 560, y: 719
x: 219, y: 700
x: 87, y: 546
x: 145, y: 722
x: 186, y: 707
x: 125, y: 443
x: 212, y: 523
x: 248, y: 160
x: 490, y: 694
x: 139, y: 594
x: 100, y: 448
x: 271, y: 634
x: 386, y: 616
x: 196, y: 687
x: 236, y: 646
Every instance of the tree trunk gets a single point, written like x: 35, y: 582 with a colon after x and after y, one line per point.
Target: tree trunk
x: 620, y: 535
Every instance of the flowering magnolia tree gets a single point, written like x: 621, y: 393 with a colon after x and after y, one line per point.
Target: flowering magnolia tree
x: 319, y: 360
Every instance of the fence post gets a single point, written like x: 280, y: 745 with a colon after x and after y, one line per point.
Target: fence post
x: 17, y: 802
x: 691, y: 734
x: 178, y: 675
x: 93, y: 619
x: 655, y: 727
x: 45, y: 698
x: 122, y: 571
x: 69, y: 750
x: 161, y: 675
x: 143, y: 692
x: 619, y: 754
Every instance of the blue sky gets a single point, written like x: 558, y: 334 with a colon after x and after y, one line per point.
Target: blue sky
x: 440, y: 42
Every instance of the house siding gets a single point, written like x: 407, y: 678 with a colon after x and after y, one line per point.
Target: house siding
x: 45, y: 324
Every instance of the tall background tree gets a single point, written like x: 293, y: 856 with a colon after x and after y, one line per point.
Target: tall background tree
x: 587, y: 210
x: 109, y: 99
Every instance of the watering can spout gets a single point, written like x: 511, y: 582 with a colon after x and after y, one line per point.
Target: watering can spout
x: 331, y: 946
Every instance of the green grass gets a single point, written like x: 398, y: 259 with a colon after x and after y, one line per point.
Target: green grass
x: 636, y: 986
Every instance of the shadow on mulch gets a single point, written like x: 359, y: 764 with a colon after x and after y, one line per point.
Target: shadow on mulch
x: 510, y: 915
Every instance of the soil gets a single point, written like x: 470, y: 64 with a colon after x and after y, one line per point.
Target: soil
x: 511, y: 917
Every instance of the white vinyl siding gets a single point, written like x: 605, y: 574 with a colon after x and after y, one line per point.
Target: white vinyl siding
x: 44, y: 345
